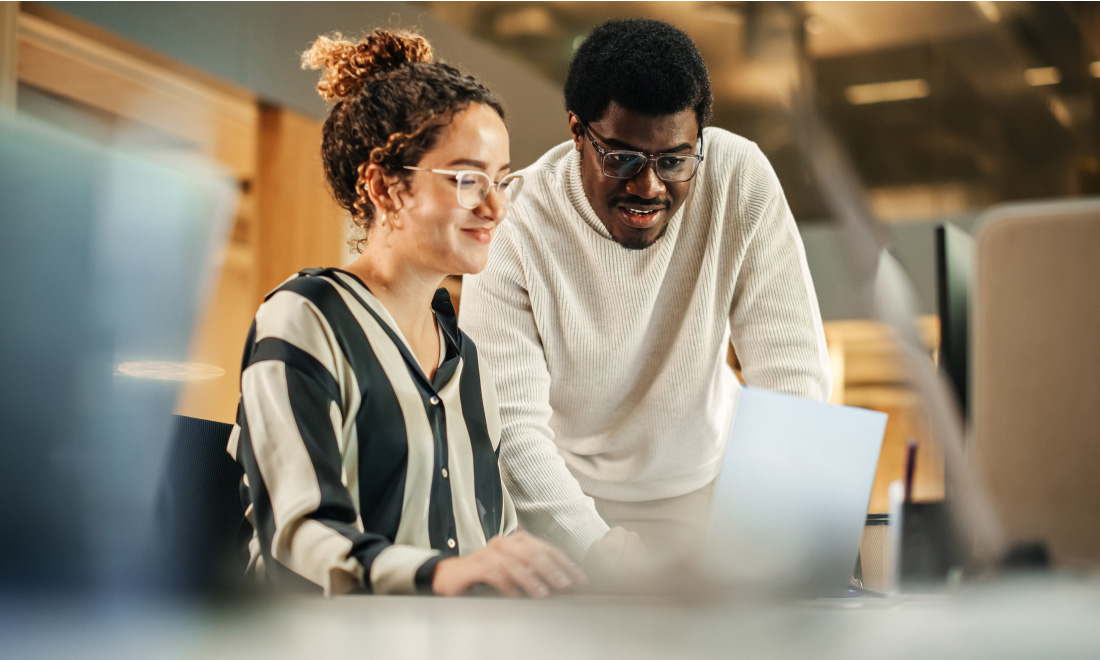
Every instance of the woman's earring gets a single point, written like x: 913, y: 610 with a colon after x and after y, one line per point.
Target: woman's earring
x: 385, y: 220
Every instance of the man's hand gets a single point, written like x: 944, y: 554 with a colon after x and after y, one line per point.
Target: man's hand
x: 617, y: 559
x: 515, y: 565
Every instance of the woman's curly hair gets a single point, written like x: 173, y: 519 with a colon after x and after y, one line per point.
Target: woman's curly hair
x: 391, y: 101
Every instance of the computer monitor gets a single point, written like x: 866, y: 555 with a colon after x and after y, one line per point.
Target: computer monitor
x: 954, y: 275
x: 102, y: 255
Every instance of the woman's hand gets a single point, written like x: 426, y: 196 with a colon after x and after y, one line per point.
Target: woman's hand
x: 515, y: 565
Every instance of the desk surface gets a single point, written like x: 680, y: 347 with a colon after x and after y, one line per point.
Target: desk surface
x: 1020, y: 620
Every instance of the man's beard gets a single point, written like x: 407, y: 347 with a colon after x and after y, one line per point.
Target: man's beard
x: 639, y: 242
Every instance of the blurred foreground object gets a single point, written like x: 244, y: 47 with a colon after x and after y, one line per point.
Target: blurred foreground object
x: 1012, y: 620
x: 102, y: 252
x: 887, y: 295
x: 1036, y: 373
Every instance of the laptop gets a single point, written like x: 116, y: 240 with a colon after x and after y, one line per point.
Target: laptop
x: 791, y: 499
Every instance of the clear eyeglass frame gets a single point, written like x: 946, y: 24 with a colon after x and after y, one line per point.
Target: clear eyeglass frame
x: 472, y: 186
x: 624, y: 164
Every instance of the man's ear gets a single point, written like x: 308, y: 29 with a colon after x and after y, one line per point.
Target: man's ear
x: 383, y: 188
x: 577, y: 131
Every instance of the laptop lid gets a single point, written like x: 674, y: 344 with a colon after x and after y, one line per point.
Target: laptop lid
x: 791, y: 499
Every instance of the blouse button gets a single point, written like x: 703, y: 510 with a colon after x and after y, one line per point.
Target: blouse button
x: 444, y: 473
x: 434, y: 400
x: 451, y: 543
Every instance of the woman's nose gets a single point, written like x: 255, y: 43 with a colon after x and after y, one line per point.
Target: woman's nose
x: 493, y: 207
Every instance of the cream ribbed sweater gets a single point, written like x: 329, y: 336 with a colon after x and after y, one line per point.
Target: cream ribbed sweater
x: 611, y: 363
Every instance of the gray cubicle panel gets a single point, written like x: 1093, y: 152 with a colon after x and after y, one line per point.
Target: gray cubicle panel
x: 1036, y: 372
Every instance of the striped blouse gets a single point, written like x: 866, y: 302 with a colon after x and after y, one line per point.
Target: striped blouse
x: 360, y: 472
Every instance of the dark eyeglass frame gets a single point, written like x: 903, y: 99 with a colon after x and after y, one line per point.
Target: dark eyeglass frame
x: 604, y: 153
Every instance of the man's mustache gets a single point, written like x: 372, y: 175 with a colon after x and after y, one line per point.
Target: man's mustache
x: 638, y: 201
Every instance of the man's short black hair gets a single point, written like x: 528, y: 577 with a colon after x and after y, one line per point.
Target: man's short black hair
x: 646, y: 66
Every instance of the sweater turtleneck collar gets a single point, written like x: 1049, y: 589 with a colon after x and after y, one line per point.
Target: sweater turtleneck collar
x: 579, y: 201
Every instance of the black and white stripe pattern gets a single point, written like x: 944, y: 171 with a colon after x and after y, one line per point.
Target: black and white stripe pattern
x: 360, y: 472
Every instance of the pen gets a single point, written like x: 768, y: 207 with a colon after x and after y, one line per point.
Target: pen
x: 910, y: 463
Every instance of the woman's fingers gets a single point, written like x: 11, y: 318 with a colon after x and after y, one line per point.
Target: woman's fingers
x: 525, y: 579
x: 558, y: 560
x: 547, y: 562
x: 512, y: 566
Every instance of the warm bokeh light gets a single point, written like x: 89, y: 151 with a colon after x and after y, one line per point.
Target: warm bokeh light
x: 1044, y: 75
x: 989, y: 10
x: 162, y: 370
x: 896, y: 90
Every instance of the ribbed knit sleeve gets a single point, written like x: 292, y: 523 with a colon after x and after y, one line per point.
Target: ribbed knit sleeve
x: 497, y: 310
x: 775, y: 321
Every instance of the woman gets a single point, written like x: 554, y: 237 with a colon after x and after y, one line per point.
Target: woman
x: 367, y: 429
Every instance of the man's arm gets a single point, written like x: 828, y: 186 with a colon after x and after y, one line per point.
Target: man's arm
x: 775, y: 320
x: 496, y: 312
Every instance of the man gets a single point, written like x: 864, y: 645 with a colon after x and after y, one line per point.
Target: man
x: 638, y: 249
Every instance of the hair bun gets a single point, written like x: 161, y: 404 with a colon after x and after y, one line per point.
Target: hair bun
x: 347, y: 66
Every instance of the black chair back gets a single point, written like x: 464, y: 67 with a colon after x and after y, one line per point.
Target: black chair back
x: 203, y: 535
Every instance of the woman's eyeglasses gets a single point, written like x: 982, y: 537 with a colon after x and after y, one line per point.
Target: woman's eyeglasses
x: 621, y: 164
x: 472, y: 187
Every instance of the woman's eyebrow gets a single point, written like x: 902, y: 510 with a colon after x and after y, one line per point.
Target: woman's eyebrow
x: 469, y: 161
x: 481, y: 165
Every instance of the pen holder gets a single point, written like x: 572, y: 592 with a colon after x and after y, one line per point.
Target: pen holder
x: 929, y: 548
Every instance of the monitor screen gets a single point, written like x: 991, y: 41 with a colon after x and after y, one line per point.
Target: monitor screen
x: 954, y: 273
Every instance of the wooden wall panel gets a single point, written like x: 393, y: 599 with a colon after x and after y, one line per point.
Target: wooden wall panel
x: 906, y: 421
x: 219, y: 337
x: 300, y: 224
x: 217, y: 121
x: 871, y: 375
x: 8, y: 53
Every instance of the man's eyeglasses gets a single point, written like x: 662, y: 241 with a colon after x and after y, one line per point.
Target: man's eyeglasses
x: 621, y: 164
x: 472, y: 187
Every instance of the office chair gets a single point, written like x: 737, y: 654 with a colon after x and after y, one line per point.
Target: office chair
x: 203, y: 535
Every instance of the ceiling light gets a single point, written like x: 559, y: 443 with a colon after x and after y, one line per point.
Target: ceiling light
x: 897, y: 90
x: 989, y: 9
x: 1044, y: 75
x: 178, y: 371
x: 1094, y: 69
x: 528, y: 21
x: 720, y: 13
